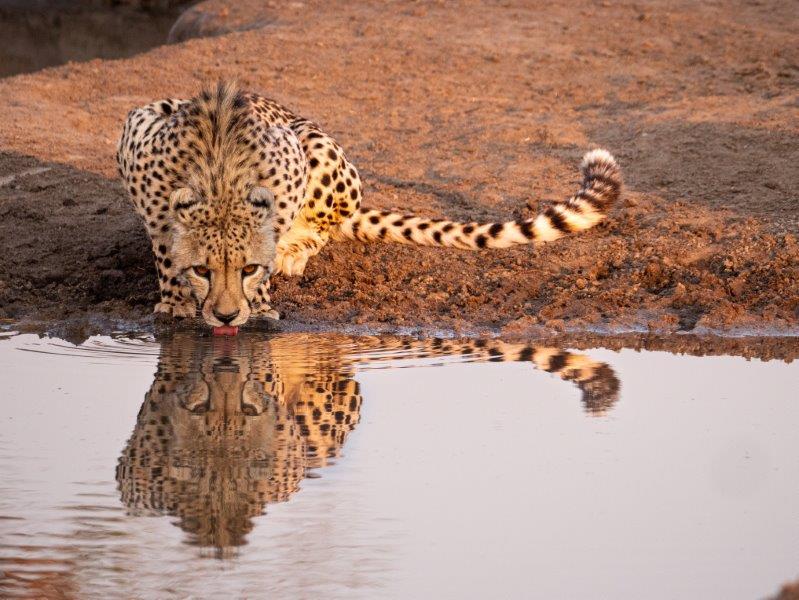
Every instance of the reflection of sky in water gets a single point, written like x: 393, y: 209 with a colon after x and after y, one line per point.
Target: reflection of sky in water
x: 468, y: 480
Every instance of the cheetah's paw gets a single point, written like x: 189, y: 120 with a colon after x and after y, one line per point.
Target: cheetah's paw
x: 291, y: 264
x: 182, y: 310
x: 264, y: 310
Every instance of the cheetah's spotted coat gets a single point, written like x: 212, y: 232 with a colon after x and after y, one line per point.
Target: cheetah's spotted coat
x: 233, y: 187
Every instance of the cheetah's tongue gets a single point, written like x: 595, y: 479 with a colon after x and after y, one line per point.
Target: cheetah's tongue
x: 225, y: 330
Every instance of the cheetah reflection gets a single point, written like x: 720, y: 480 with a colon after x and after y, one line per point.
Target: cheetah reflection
x: 232, y: 424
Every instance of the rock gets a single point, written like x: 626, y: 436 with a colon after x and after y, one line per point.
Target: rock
x: 737, y: 286
x: 217, y: 17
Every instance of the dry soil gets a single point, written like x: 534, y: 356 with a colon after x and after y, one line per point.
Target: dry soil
x: 474, y: 111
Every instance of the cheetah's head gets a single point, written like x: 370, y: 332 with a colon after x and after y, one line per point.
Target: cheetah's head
x: 224, y: 257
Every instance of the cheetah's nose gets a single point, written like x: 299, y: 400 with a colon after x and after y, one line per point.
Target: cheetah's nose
x: 226, y: 319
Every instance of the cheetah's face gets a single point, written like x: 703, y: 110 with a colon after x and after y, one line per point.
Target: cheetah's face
x: 224, y: 260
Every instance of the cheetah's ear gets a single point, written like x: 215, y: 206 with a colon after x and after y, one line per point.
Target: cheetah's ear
x: 185, y: 206
x: 263, y: 201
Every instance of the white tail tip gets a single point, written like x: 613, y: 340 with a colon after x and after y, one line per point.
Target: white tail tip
x: 597, y: 156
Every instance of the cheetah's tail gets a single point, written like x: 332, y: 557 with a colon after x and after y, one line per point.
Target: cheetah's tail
x: 600, y: 189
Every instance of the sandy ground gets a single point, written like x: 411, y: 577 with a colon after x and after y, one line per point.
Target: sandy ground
x: 475, y: 112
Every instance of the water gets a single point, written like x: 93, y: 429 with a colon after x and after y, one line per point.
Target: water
x: 310, y: 466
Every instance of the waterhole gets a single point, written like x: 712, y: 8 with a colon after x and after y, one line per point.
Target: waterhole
x: 328, y: 466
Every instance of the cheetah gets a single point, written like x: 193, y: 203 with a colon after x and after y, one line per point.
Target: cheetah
x: 230, y: 425
x: 234, y: 188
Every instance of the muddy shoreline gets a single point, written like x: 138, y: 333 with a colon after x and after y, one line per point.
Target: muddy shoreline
x: 78, y: 329
x: 480, y: 114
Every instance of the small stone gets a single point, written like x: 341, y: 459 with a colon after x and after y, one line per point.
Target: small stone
x: 653, y: 269
x: 737, y: 286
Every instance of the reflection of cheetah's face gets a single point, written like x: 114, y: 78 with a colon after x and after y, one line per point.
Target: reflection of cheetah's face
x: 229, y: 389
x: 227, y: 427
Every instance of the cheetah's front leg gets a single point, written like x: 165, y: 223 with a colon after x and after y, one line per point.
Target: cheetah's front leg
x: 261, y: 304
x: 176, y: 297
x: 296, y: 246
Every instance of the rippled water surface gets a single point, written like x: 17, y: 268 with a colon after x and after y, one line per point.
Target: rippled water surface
x: 307, y: 466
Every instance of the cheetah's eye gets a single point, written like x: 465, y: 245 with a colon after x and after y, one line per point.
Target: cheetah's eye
x: 249, y: 269
x: 202, y: 270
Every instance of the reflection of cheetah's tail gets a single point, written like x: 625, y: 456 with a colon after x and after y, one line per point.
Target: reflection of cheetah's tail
x: 600, y: 189
x: 597, y: 380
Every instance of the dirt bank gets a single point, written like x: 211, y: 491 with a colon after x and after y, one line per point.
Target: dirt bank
x: 42, y: 33
x: 472, y: 113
